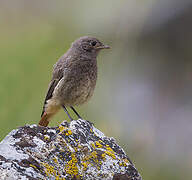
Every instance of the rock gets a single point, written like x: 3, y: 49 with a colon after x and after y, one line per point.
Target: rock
x: 75, y: 150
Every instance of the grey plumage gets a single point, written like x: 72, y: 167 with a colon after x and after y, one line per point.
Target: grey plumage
x: 74, y: 77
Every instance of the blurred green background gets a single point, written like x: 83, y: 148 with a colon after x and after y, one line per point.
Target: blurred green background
x: 143, y: 94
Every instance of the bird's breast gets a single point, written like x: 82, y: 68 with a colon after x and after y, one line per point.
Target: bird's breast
x: 78, y: 84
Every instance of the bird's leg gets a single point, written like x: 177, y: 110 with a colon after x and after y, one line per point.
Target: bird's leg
x: 75, y: 112
x: 65, y: 109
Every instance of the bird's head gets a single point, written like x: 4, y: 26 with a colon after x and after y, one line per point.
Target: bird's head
x: 89, y: 45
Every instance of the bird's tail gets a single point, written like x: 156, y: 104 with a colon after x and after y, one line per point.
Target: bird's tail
x: 44, y: 121
x: 50, y: 108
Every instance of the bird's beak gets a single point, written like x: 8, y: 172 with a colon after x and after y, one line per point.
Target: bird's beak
x: 103, y: 47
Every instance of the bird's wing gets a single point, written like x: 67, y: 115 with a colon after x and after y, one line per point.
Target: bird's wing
x: 57, y: 76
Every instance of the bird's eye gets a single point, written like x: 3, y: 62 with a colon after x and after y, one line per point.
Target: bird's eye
x: 93, y: 43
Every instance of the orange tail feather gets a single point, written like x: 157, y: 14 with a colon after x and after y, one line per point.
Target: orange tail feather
x: 45, y: 119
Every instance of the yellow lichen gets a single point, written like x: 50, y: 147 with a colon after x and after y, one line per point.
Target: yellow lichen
x: 109, y: 153
x: 79, y: 146
x: 61, y: 128
x: 84, y: 166
x: 124, y: 164
x: 109, y: 149
x: 126, y: 160
x: 49, y: 170
x: 69, y: 132
x: 94, y: 154
x: 57, y: 178
x: 46, y: 137
x: 55, y: 160
x: 33, y: 166
x: 103, y: 155
x: 120, y: 164
x: 71, y: 167
x: 93, y: 145
x: 98, y: 144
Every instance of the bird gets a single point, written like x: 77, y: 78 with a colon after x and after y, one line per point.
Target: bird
x: 74, y: 78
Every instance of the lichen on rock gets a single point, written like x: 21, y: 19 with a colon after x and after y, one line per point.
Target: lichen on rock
x: 75, y: 150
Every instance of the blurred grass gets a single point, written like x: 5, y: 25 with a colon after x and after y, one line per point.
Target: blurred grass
x: 26, y: 62
x: 27, y: 54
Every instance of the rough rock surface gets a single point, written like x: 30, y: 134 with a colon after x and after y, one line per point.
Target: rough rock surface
x: 75, y: 150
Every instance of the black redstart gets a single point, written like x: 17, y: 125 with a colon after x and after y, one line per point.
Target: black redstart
x: 73, y: 79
